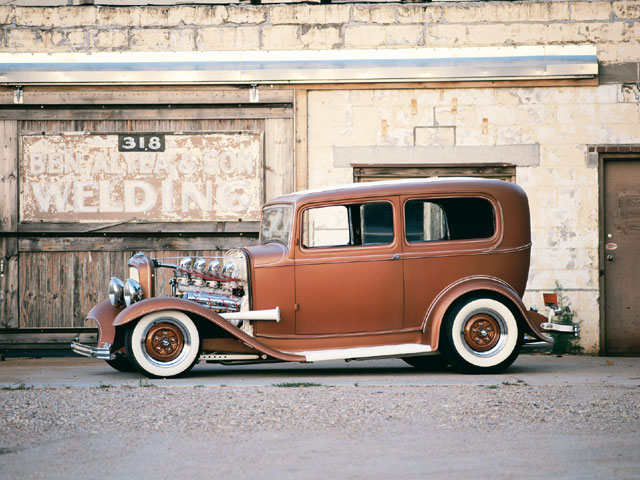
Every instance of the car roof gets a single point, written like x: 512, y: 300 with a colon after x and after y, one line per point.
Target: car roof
x: 440, y: 185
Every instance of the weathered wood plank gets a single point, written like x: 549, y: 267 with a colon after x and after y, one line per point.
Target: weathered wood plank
x: 301, y: 149
x: 9, y: 315
x: 96, y: 95
x: 147, y: 114
x: 364, y: 173
x: 140, y: 126
x: 278, y: 157
x: 8, y: 176
x: 133, y: 244
x: 141, y: 227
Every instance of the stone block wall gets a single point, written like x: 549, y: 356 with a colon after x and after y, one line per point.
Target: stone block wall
x: 612, y: 25
x: 551, y: 127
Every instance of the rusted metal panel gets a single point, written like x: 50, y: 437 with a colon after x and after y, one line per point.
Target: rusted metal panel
x: 85, y: 178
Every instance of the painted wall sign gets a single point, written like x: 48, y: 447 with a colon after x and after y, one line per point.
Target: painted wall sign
x: 89, y: 178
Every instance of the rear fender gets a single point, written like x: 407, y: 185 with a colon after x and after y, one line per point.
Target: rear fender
x: 144, y: 307
x: 443, y: 302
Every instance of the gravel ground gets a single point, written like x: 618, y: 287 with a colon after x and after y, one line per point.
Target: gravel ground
x: 482, y: 431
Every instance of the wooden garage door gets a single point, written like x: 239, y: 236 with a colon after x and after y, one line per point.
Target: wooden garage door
x: 55, y: 270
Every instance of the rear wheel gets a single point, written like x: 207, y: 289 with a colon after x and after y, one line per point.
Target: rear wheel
x: 163, y: 344
x: 481, y: 335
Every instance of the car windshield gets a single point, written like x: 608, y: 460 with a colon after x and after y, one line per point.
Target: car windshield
x: 276, y: 224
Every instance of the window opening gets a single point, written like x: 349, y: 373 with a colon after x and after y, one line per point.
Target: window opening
x: 448, y: 219
x: 348, y: 225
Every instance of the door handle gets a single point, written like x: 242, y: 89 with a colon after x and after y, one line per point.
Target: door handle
x: 610, y: 257
x: 396, y: 256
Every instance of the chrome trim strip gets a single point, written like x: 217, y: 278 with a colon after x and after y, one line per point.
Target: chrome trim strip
x: 301, y: 66
x: 365, y: 352
x: 101, y: 353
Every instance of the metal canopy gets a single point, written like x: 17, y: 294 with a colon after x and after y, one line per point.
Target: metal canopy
x: 301, y: 66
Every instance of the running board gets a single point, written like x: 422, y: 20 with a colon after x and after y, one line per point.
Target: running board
x: 403, y: 350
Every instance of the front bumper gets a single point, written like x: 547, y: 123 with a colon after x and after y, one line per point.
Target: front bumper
x: 101, y: 353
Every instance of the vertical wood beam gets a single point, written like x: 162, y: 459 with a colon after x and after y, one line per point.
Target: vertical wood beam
x: 301, y: 146
x: 9, y: 317
x: 279, y: 161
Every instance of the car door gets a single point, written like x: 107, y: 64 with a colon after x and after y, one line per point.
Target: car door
x: 348, y: 273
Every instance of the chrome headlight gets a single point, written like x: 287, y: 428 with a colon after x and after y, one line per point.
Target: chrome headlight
x: 132, y: 292
x: 116, y: 292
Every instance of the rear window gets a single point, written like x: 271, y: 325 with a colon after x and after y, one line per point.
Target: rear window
x: 441, y: 219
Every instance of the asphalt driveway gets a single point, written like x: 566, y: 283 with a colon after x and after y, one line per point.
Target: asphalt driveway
x: 546, y: 417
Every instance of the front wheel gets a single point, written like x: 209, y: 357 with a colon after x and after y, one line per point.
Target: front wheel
x: 481, y: 335
x: 163, y: 344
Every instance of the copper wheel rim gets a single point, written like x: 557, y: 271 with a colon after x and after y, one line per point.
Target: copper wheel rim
x: 482, y: 332
x: 164, y: 342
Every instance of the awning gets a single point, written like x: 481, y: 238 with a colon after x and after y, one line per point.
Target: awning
x: 301, y: 66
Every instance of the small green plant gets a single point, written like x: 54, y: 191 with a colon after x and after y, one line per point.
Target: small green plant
x: 18, y: 386
x: 564, y: 342
x: 491, y: 387
x: 104, y: 385
x: 297, y: 384
x: 144, y: 382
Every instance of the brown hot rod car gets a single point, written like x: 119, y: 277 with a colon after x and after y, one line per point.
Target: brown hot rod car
x: 418, y: 270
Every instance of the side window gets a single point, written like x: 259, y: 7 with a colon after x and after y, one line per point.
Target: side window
x: 347, y: 225
x: 449, y: 219
x: 425, y: 221
x: 325, y: 227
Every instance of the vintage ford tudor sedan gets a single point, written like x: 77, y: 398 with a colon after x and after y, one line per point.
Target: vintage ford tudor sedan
x: 421, y: 270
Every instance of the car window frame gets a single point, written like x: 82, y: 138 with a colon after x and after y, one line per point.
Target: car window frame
x: 338, y: 248
x: 461, y: 245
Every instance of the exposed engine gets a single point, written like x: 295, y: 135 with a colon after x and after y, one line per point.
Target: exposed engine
x: 218, y: 283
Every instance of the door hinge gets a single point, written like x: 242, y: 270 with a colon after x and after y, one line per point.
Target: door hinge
x: 1, y: 267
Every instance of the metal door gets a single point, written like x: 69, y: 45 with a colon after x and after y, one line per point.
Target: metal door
x: 621, y: 245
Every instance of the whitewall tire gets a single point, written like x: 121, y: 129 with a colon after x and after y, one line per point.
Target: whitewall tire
x: 163, y: 344
x: 481, y: 335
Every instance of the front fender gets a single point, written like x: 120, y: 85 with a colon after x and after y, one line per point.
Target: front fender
x: 445, y: 299
x: 144, y: 307
x: 104, y: 315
